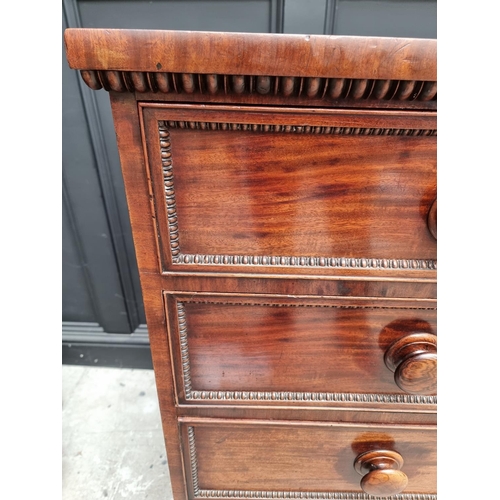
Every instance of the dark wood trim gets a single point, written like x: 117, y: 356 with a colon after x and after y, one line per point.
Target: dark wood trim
x: 295, y: 100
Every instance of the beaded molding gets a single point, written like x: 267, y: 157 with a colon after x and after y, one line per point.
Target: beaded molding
x: 228, y: 396
x: 309, y: 495
x: 261, y: 495
x: 262, y: 261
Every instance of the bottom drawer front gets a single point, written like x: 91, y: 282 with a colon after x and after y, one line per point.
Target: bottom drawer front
x: 301, y: 460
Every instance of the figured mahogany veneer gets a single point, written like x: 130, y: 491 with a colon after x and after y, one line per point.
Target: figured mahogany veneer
x: 300, y: 191
x: 282, y: 196
x: 240, y: 350
x: 235, y: 458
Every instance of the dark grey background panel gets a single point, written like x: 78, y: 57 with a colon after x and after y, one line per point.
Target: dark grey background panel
x: 76, y: 301
x: 304, y: 17
x: 252, y: 16
x: 90, y: 227
x: 398, y: 18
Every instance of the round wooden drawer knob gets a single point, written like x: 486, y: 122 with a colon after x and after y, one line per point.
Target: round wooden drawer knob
x: 381, y: 472
x: 413, y: 359
x: 432, y: 219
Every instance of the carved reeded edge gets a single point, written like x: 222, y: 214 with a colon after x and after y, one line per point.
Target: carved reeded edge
x: 196, y: 395
x: 257, y: 495
x: 325, y: 89
x: 178, y: 258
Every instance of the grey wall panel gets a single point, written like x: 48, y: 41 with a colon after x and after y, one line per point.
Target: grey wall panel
x: 251, y: 16
x: 399, y: 18
x: 90, y: 226
x: 304, y: 17
x: 76, y: 301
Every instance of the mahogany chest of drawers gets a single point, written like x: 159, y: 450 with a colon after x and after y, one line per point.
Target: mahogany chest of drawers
x: 282, y: 195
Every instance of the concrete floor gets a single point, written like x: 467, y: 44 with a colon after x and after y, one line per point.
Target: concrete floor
x: 112, y: 439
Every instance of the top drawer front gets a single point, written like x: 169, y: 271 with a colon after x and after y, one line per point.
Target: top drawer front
x: 280, y: 191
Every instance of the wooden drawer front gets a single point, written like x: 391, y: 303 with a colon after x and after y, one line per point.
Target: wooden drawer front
x: 292, y: 191
x: 300, y: 460
x: 241, y: 350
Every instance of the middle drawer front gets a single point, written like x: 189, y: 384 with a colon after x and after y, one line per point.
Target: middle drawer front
x: 281, y: 351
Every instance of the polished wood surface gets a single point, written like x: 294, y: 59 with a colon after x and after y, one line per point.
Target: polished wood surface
x: 221, y: 53
x: 262, y: 196
x: 413, y: 359
x: 284, y: 221
x: 432, y: 219
x: 297, y: 456
x: 230, y: 350
x: 381, y: 472
x: 126, y: 119
x: 301, y: 70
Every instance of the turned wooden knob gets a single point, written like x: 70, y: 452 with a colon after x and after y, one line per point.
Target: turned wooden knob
x: 432, y: 219
x: 381, y: 472
x: 413, y: 359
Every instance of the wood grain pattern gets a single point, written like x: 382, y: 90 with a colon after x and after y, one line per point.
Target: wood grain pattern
x: 348, y: 287
x: 229, y: 456
x: 413, y: 359
x: 270, y: 182
x: 283, y: 246
x: 356, y: 72
x: 126, y: 118
x: 298, y: 98
x: 381, y: 471
x: 301, y: 352
x: 343, y: 412
x: 241, y: 54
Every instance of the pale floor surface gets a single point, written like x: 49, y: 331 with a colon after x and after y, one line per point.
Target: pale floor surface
x: 112, y: 439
